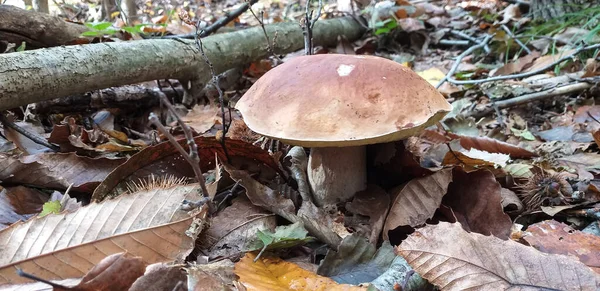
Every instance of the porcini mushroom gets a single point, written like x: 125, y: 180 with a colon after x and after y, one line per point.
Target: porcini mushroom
x: 336, y: 105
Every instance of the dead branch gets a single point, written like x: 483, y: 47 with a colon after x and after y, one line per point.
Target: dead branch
x: 36, y: 29
x: 527, y: 98
x: 34, y: 76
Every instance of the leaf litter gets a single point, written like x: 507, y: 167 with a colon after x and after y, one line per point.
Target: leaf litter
x: 495, y: 196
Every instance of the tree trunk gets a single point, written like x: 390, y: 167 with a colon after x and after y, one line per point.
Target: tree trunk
x: 44, y: 74
x: 551, y: 9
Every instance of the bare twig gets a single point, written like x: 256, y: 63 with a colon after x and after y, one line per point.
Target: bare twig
x: 309, y: 23
x: 461, y: 34
x: 217, y: 24
x: 192, y: 157
x: 451, y: 42
x: 462, y: 56
x: 523, y: 99
x: 523, y: 46
x: 262, y: 25
x: 23, y: 274
x: 35, y: 138
x: 522, y: 75
x: 215, y: 81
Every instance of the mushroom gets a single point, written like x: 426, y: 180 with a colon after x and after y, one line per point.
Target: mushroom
x: 336, y: 105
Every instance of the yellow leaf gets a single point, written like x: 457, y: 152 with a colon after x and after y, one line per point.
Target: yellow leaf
x: 115, y: 14
x: 433, y: 75
x: 274, y: 274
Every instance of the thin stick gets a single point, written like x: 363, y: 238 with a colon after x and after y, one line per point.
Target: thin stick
x: 461, y: 34
x: 523, y: 46
x: 35, y: 138
x: 215, y: 80
x: 462, y: 56
x: 192, y: 157
x: 309, y: 23
x: 522, y: 75
x: 523, y: 99
x: 262, y: 25
x: 217, y: 24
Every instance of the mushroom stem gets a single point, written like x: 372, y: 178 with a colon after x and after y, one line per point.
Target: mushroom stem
x: 335, y: 174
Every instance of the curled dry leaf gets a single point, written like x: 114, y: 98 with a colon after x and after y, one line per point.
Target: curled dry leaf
x: 164, y: 158
x: 57, y: 170
x: 315, y: 220
x: 554, y: 237
x: 417, y: 201
x: 476, y: 201
x: 492, y: 146
x: 454, y: 259
x: 117, y: 271
x: 373, y: 202
x: 275, y: 274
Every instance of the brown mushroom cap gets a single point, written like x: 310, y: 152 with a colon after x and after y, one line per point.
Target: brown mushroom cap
x: 341, y: 100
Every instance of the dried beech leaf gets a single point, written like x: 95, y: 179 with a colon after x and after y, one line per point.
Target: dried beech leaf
x: 274, y: 274
x: 57, y: 170
x: 453, y: 259
x: 315, y: 219
x: 117, y: 271
x: 476, y: 201
x: 554, y: 237
x: 417, y: 200
x: 164, y: 159
x: 148, y: 224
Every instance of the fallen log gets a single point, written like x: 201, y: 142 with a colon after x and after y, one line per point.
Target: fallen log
x: 44, y: 74
x: 36, y: 29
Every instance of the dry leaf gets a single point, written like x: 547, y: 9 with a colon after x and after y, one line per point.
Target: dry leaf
x: 476, y: 200
x: 274, y: 274
x: 417, y: 201
x: 148, y: 224
x: 115, y: 272
x: 554, y: 237
x: 453, y: 259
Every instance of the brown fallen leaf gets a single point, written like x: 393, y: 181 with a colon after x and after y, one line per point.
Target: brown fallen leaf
x: 19, y: 203
x: 161, y: 276
x: 57, y: 170
x: 454, y: 259
x: 212, y: 276
x: 373, y: 202
x: 164, y: 159
x: 148, y: 224
x: 201, y: 118
x: 476, y: 201
x: 115, y: 272
x: 518, y: 65
x: 555, y: 237
x: 417, y: 201
x: 274, y: 274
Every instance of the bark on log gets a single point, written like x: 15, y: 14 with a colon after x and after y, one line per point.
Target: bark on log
x: 36, y: 29
x: 44, y: 74
x: 552, y: 9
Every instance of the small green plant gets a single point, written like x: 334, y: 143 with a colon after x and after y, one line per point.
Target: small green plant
x: 383, y: 27
x: 106, y: 29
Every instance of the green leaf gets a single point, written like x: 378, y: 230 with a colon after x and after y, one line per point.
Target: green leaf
x: 102, y: 25
x: 382, y: 30
x: 21, y: 47
x: 89, y: 25
x: 285, y: 236
x: 92, y: 33
x: 50, y: 207
x: 130, y: 29
x: 526, y: 134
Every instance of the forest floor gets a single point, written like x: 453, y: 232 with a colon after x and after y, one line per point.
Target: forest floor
x: 501, y: 193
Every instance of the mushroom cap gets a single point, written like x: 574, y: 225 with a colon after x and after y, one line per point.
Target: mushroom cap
x: 333, y: 100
